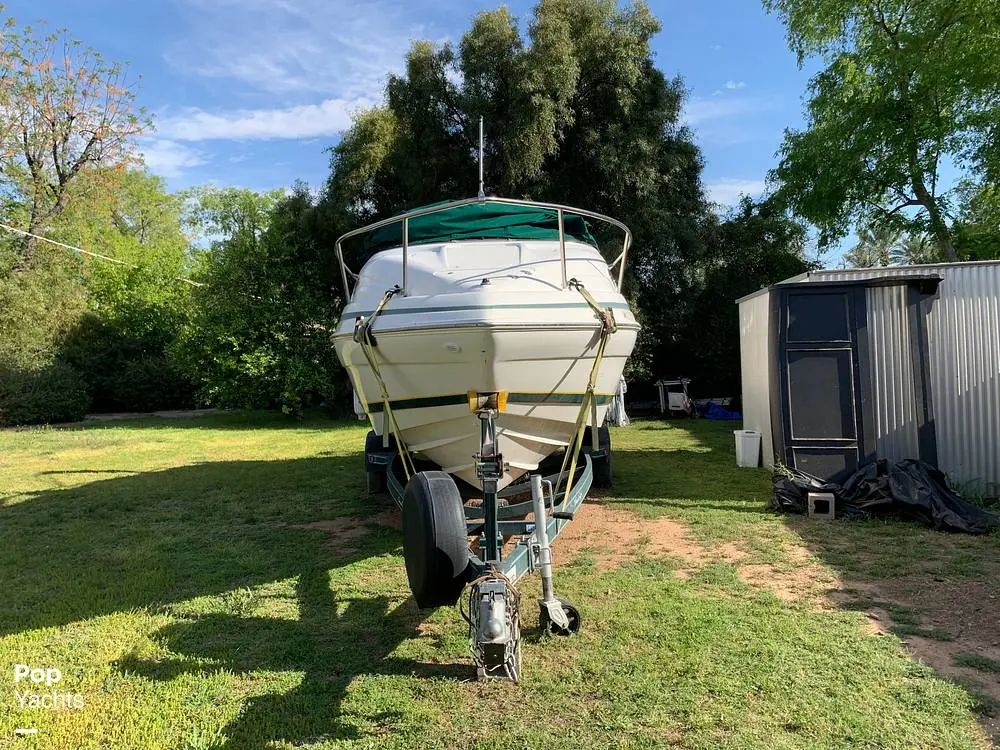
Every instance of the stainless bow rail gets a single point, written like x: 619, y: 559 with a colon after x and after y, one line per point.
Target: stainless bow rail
x: 559, y: 209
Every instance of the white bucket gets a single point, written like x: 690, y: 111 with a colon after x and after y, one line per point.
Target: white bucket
x: 747, y: 447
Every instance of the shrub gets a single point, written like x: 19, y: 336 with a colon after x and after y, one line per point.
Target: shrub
x: 151, y: 383
x: 53, y: 394
x: 123, y: 372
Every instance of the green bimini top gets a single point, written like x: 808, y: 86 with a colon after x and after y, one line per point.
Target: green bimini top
x: 480, y: 221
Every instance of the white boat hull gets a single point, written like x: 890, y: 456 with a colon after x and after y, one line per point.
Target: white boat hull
x: 544, y: 371
x: 534, y: 341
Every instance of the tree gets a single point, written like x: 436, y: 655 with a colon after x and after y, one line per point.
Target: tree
x: 575, y: 112
x: 906, y: 86
x: 64, y: 110
x: 874, y: 247
x: 259, y: 331
x: 882, y: 246
x: 138, y: 303
x: 756, y: 244
x: 977, y: 229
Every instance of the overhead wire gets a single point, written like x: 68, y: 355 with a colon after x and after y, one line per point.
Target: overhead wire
x: 87, y: 252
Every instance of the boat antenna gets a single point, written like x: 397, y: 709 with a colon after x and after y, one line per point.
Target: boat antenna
x: 482, y: 192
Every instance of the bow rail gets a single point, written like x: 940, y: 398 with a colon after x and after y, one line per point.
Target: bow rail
x: 560, y: 210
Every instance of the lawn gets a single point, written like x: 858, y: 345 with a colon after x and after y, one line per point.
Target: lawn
x: 224, y: 581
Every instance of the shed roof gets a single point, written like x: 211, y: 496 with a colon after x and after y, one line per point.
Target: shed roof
x: 864, y: 274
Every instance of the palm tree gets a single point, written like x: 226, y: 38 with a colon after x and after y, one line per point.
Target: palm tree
x: 875, y: 247
x: 915, y: 250
x: 884, y: 246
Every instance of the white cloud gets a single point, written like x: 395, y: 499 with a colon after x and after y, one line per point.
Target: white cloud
x: 715, y: 47
x: 296, y: 48
x: 697, y: 111
x: 727, y: 191
x: 733, y: 85
x: 328, y: 118
x: 167, y: 157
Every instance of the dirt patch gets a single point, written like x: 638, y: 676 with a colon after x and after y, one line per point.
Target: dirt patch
x: 341, y: 531
x: 344, y: 532
x: 805, y: 581
x: 964, y: 610
x: 730, y: 552
x: 616, y: 537
x: 391, y: 518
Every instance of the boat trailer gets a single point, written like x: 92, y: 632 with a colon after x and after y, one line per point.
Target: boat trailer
x: 513, y: 528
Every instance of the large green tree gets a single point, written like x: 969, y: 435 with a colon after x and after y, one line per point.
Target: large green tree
x: 754, y: 245
x: 138, y: 300
x: 258, y: 335
x: 906, y: 86
x: 977, y: 230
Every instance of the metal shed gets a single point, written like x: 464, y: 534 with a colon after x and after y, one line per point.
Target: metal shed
x: 844, y: 367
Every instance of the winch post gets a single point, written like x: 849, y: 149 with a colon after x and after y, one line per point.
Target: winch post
x: 489, y: 470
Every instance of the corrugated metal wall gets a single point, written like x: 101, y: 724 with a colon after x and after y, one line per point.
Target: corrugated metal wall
x: 891, y: 360
x: 964, y: 363
x: 755, y: 364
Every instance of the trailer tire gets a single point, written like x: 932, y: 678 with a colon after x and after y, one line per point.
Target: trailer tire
x: 602, y: 464
x: 435, y: 540
x: 377, y: 461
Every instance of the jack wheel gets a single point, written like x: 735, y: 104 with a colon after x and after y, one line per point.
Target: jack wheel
x: 572, y: 614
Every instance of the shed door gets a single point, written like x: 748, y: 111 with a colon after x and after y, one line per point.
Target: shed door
x: 820, y: 379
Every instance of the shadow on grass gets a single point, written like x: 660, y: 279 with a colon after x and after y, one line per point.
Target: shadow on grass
x: 935, y: 591
x: 158, y: 537
x: 332, y: 642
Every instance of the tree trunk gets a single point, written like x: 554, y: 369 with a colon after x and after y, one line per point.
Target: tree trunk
x: 938, y: 227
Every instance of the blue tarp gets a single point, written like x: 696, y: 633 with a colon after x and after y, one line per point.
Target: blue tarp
x: 714, y: 411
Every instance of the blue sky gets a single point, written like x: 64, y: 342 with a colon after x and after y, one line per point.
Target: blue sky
x: 251, y: 92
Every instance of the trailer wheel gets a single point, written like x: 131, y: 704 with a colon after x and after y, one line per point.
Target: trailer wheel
x: 377, y: 460
x: 603, y: 475
x: 572, y: 614
x: 435, y: 540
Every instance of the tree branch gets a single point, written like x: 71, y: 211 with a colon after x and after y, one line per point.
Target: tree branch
x: 904, y: 204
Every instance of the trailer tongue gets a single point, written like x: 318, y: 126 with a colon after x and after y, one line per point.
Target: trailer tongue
x: 522, y: 519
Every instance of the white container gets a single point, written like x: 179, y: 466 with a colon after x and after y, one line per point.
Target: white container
x: 747, y: 447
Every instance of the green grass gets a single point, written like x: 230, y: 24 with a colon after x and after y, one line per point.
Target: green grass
x: 978, y: 661
x: 163, y: 567
x: 935, y: 634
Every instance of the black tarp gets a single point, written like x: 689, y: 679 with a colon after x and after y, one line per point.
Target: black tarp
x: 908, y: 489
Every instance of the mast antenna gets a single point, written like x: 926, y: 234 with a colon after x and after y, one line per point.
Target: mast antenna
x: 482, y: 191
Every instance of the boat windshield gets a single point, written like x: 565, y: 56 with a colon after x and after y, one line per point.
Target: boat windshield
x: 480, y: 221
x: 482, y: 218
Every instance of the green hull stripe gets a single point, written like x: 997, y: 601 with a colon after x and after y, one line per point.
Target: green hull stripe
x: 555, y: 398
x: 389, y: 310
x: 422, y: 403
x: 461, y: 399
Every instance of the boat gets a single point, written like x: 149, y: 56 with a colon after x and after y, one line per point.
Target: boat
x: 484, y: 337
x: 487, y: 295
